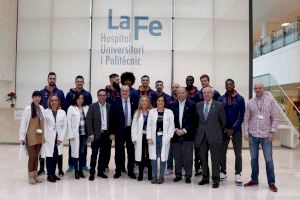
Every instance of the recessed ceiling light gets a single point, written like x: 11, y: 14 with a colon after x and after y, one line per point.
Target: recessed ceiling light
x: 285, y: 24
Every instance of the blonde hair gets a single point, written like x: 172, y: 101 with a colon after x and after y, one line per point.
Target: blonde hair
x: 139, y: 110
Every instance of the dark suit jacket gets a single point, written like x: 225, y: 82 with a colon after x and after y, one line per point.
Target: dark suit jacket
x: 118, y: 117
x: 93, y: 120
x: 212, y: 128
x: 187, y: 121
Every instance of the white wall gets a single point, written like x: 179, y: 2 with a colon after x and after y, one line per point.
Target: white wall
x: 8, y: 21
x: 283, y: 64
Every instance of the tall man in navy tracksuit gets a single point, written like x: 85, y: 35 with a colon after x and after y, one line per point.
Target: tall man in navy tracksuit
x: 46, y: 93
x: 79, y: 83
x: 234, y: 106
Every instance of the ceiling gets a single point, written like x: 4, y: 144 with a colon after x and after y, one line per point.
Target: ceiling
x: 274, y: 12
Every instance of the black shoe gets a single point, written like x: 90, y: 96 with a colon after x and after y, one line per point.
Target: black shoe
x: 203, y: 182
x: 149, y: 175
x: 215, y: 185
x: 77, y: 174
x: 160, y: 180
x: 177, y: 178
x: 61, y: 173
x: 81, y: 174
x: 188, y: 181
x: 117, y: 175
x: 51, y: 179
x: 41, y: 172
x: 154, y: 180
x: 91, y: 178
x: 56, y: 178
x: 124, y: 170
x: 102, y: 175
x: 132, y: 175
x: 140, y: 177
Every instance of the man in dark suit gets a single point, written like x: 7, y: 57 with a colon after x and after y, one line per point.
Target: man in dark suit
x: 183, y: 139
x: 98, y: 128
x: 209, y: 134
x: 122, y: 114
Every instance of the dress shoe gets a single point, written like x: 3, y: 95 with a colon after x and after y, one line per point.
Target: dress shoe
x: 81, y: 174
x: 132, y: 175
x: 117, y: 175
x: 250, y: 183
x: 188, y: 181
x: 140, y: 177
x: 154, y: 180
x: 31, y: 179
x: 273, y: 188
x: 61, y: 173
x: 56, y: 177
x: 77, y: 174
x: 51, y: 179
x: 102, y: 175
x: 203, y: 182
x: 177, y: 178
x: 215, y: 185
x: 41, y: 172
x: 160, y: 180
x: 91, y: 178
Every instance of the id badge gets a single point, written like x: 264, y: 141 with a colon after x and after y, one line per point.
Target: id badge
x: 159, y: 133
x: 39, y: 131
x: 260, y: 117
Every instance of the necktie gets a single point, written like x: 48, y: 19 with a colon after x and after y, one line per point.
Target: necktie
x: 206, y: 111
x: 126, y: 113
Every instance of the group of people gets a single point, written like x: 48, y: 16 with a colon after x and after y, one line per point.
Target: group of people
x: 155, y: 128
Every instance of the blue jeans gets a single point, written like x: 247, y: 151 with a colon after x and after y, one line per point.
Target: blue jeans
x: 267, y: 151
x: 82, y: 153
x: 158, y: 154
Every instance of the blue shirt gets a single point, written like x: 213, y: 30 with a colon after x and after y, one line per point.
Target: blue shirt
x: 71, y: 95
x: 46, y: 94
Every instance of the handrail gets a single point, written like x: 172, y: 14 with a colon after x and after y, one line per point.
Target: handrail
x: 282, y: 90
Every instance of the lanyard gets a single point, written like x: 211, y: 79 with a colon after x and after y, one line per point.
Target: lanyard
x: 261, y: 106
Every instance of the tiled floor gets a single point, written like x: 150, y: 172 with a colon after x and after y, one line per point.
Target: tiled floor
x: 13, y: 183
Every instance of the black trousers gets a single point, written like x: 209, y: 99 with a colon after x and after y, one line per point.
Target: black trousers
x: 102, y: 147
x: 237, y: 147
x: 145, y: 160
x: 51, y: 162
x: 120, y: 140
x: 197, y: 159
x: 215, y: 150
x: 183, y: 155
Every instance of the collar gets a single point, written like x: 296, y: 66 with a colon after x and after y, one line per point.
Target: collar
x: 123, y: 100
x: 101, y: 104
x: 210, y: 102
x: 182, y: 102
x: 259, y: 98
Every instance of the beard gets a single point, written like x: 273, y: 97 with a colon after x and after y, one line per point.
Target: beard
x: 116, y: 86
x: 52, y: 84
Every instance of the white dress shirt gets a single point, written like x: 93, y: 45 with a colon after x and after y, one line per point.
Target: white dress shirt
x: 103, y: 113
x: 129, y: 110
x: 181, y: 110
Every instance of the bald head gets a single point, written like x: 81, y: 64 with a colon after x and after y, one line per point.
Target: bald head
x: 181, y: 93
x: 208, y: 93
x: 174, y: 88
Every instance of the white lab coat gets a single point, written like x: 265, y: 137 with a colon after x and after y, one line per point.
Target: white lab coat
x: 137, y: 135
x: 168, y: 132
x: 25, y: 121
x: 73, y: 117
x: 52, y: 126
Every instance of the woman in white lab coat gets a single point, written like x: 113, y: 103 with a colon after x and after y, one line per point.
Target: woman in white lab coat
x: 31, y: 134
x: 77, y: 133
x: 55, y: 131
x: 160, y: 130
x: 138, y: 136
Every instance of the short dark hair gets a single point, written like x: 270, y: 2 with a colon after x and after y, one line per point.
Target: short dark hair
x: 113, y: 76
x: 190, y: 76
x: 33, y: 108
x: 205, y: 76
x: 127, y: 76
x: 101, y: 90
x: 77, y: 95
x: 230, y: 80
x: 161, y: 96
x: 36, y: 93
x: 159, y: 81
x: 51, y: 74
x: 79, y: 77
x: 145, y: 76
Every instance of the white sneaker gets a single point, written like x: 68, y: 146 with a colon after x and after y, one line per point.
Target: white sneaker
x: 169, y: 172
x: 238, y: 180
x: 223, y: 176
